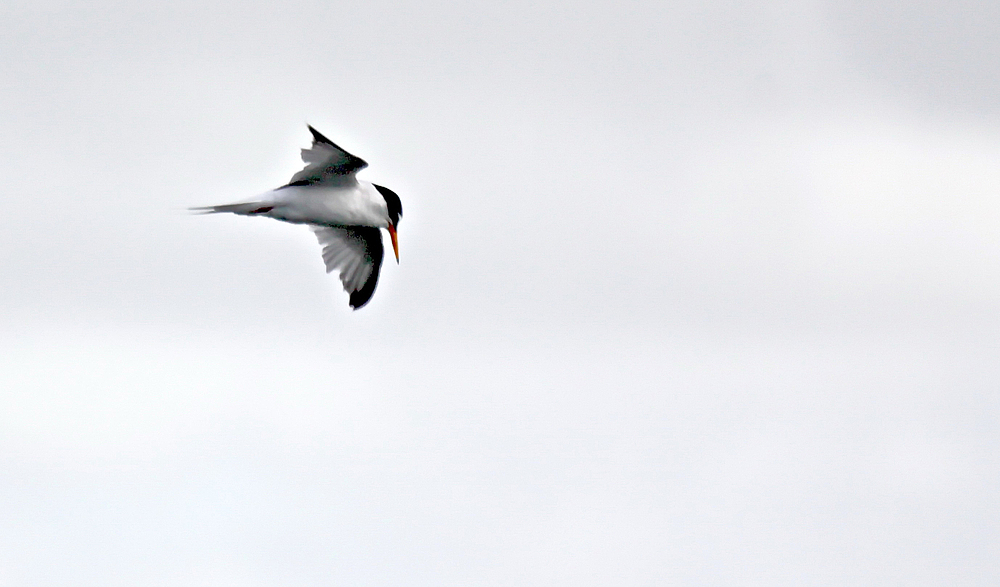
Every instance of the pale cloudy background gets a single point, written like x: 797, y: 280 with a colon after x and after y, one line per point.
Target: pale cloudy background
x: 689, y: 294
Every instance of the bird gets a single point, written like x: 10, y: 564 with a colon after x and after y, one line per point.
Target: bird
x: 344, y: 212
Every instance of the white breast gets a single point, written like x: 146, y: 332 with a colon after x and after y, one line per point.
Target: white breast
x: 349, y: 202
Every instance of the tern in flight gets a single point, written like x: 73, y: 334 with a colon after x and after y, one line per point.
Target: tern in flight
x: 343, y: 211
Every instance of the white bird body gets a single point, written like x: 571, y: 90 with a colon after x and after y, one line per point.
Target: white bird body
x: 344, y: 212
x: 345, y: 202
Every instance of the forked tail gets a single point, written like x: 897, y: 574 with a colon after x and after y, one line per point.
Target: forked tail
x: 244, y: 209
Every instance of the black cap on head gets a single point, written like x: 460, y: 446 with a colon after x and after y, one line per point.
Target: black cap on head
x: 392, y: 202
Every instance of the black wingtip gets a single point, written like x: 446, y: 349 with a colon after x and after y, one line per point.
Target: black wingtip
x: 374, y: 253
x: 364, y: 295
x: 350, y: 164
x: 357, y: 304
x: 318, y: 136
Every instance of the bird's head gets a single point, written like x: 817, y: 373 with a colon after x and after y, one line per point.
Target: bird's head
x: 395, y: 209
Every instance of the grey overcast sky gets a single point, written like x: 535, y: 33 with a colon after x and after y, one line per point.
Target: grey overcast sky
x: 690, y: 293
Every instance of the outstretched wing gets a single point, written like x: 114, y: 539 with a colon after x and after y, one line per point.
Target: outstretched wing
x: 357, y: 252
x: 325, y: 159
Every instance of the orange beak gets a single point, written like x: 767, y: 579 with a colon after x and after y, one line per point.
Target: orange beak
x: 395, y: 245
